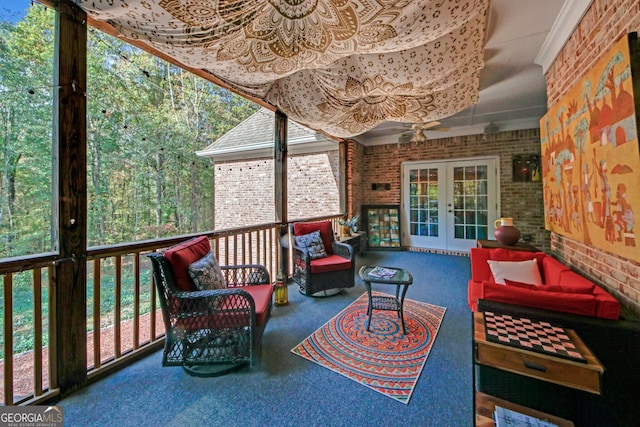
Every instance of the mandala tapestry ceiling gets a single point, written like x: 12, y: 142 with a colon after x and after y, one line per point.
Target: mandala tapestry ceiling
x: 338, y: 66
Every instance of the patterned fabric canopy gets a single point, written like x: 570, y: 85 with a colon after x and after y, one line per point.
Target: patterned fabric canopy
x: 339, y: 66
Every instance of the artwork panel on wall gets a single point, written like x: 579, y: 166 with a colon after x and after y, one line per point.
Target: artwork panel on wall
x: 590, y: 154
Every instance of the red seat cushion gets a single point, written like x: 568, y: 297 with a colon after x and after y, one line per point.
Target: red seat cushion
x: 324, y: 227
x: 573, y: 289
x: 557, y: 301
x: 182, y: 255
x: 331, y: 263
x: 261, y: 295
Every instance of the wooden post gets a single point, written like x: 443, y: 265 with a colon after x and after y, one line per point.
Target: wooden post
x: 280, y: 166
x: 280, y: 176
x: 70, y: 196
x: 346, y: 202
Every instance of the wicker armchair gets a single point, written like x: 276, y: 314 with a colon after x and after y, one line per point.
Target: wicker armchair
x: 325, y: 276
x: 211, y: 332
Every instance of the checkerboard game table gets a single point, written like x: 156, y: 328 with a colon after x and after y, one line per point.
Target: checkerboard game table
x: 535, y: 349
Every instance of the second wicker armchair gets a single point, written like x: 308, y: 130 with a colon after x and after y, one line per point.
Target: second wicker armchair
x: 316, y: 273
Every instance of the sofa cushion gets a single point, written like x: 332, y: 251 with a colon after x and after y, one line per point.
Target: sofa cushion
x: 520, y: 271
x: 330, y: 263
x: 479, y: 267
x: 552, y: 269
x: 558, y: 301
x: 581, y: 289
x: 522, y: 285
x: 312, y: 242
x: 324, y: 227
x: 182, y: 255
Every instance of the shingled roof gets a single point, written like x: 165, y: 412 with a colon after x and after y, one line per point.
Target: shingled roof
x: 254, y: 138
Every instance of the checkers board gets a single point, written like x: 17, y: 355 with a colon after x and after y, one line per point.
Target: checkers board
x: 533, y: 335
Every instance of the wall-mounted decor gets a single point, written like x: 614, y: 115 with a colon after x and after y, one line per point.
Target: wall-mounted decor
x: 382, y: 225
x: 376, y: 186
x: 590, y: 156
x: 526, y: 168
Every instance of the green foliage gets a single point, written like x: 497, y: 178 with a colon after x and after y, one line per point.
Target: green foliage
x: 26, y: 70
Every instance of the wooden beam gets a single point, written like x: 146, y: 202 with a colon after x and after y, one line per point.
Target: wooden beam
x: 70, y: 195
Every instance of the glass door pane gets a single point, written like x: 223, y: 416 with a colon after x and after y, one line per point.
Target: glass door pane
x: 470, y: 211
x: 474, y: 205
x: 423, y: 209
x: 423, y: 205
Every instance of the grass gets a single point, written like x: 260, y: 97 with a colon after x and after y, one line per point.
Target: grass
x: 23, y: 304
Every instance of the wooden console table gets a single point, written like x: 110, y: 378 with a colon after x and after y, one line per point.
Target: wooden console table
x: 520, y: 246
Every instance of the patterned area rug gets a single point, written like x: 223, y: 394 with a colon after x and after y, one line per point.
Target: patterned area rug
x: 383, y: 359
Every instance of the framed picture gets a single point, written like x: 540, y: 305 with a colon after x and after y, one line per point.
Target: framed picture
x: 382, y: 225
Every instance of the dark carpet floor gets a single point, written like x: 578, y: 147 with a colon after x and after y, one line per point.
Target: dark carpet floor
x: 283, y: 389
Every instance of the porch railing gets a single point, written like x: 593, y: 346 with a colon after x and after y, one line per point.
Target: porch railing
x: 124, y: 321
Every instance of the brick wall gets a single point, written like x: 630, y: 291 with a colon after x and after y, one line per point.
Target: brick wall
x: 244, y: 189
x: 382, y: 164
x: 314, y: 185
x: 603, y: 24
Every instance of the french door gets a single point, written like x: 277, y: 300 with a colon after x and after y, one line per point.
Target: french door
x: 448, y: 204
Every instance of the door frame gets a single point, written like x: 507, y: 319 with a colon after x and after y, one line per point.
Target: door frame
x: 448, y: 163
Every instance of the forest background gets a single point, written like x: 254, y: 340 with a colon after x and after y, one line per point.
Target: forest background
x: 146, y: 118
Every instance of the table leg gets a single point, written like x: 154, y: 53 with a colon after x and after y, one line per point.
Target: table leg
x: 370, y: 306
x: 404, y: 292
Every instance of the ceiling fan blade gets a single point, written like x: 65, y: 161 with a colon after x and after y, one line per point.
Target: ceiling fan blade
x: 429, y: 125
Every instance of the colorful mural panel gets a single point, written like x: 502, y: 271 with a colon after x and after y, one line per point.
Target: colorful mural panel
x: 590, y: 156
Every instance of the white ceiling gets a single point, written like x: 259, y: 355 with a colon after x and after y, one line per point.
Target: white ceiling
x: 512, y: 85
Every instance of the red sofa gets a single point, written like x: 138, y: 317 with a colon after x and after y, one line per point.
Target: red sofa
x: 562, y: 289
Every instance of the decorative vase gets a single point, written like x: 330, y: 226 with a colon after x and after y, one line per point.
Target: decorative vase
x: 505, y: 233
